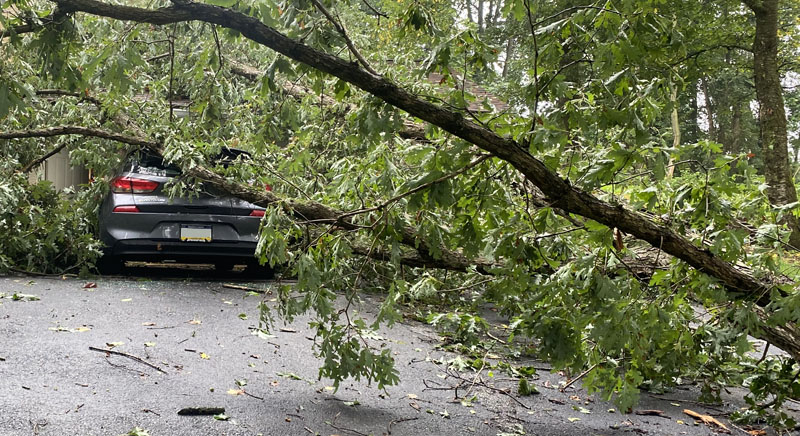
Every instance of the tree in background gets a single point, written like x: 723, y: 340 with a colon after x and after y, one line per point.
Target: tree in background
x: 772, y: 114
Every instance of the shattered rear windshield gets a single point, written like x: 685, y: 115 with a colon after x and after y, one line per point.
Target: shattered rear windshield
x: 152, y: 165
x: 149, y: 164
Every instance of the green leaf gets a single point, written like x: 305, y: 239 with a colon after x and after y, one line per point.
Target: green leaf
x: 222, y: 3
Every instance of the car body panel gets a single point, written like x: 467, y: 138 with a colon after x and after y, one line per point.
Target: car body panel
x: 154, y: 232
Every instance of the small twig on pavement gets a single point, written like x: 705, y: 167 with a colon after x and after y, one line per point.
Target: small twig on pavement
x: 495, y: 338
x: 741, y: 429
x: 253, y: 396
x: 397, y: 421
x: 37, y: 425
x: 142, y: 374
x: 651, y: 412
x: 709, y: 406
x: 479, y: 383
x: 129, y: 356
x: 333, y: 424
x: 580, y: 376
x: 512, y: 417
x: 151, y: 411
x: 245, y: 288
x: 34, y: 273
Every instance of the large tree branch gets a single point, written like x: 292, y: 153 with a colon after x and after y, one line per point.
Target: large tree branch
x: 32, y: 25
x: 39, y: 160
x: 78, y: 130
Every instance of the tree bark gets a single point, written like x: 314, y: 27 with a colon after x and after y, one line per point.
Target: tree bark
x: 712, y: 128
x: 509, y: 53
x: 771, y: 112
x: 559, y: 191
x: 676, y: 127
x: 497, y: 11
x: 480, y: 15
x: 735, y: 140
x: 692, y: 128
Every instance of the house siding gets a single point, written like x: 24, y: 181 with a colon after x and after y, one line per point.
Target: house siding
x: 58, y: 171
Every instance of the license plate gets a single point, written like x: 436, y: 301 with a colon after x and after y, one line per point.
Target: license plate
x: 196, y: 233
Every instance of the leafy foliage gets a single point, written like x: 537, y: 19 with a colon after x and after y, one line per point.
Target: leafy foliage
x: 590, y: 90
x: 44, y: 231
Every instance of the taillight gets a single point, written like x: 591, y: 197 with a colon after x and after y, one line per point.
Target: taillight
x: 126, y: 209
x: 257, y: 212
x: 133, y: 185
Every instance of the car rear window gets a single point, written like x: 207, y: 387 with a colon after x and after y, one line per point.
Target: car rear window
x: 228, y: 156
x: 152, y: 165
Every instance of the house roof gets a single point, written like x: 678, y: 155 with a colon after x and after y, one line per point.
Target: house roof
x: 482, y: 95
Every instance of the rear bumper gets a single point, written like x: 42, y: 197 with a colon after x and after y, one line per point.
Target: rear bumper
x: 156, y: 236
x: 154, y: 249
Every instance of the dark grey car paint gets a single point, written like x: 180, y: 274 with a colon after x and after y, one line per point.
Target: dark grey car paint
x: 153, y: 233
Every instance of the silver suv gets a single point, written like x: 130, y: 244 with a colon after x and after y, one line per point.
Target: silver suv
x: 138, y: 221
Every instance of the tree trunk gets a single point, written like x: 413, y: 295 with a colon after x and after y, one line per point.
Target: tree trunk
x: 712, y: 129
x: 480, y: 15
x: 509, y: 53
x: 735, y: 139
x: 771, y: 112
x: 497, y: 11
x: 468, y: 4
x: 676, y: 127
x: 692, y: 128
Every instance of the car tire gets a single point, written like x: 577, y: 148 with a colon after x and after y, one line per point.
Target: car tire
x: 225, y: 266
x: 256, y: 270
x: 108, y: 265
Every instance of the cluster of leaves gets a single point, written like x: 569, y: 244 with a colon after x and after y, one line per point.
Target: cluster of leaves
x: 44, y: 231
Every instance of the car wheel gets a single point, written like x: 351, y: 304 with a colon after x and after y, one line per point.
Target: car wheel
x: 256, y: 270
x: 225, y: 266
x: 107, y: 265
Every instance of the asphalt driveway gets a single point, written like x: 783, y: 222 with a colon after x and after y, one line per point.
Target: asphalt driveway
x: 197, y: 349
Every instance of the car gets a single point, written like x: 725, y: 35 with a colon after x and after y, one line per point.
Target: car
x: 138, y: 221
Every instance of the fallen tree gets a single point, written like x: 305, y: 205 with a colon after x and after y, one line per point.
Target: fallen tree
x: 557, y: 191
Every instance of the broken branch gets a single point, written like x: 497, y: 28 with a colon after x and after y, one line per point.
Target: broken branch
x: 129, y: 356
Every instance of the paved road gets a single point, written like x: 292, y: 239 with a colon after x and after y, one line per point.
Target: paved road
x: 51, y: 383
